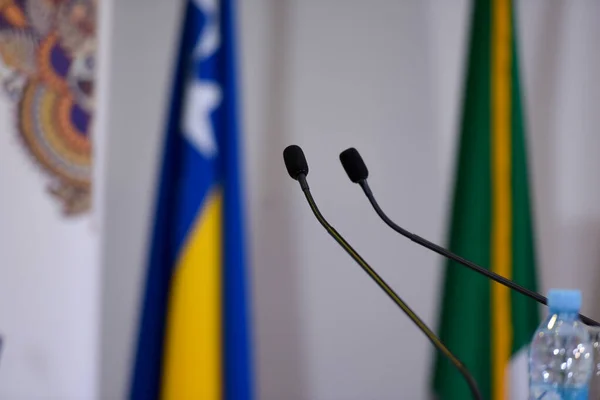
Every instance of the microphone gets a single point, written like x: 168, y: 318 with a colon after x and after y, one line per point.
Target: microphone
x: 297, y: 167
x: 358, y: 173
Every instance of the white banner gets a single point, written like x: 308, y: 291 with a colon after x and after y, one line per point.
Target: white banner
x: 49, y: 267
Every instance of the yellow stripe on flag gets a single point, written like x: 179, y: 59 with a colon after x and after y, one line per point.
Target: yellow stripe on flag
x: 502, y: 194
x: 192, y: 359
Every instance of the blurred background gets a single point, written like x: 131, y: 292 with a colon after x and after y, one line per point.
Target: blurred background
x: 386, y: 77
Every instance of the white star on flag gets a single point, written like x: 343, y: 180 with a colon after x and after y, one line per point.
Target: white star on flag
x: 209, y: 39
x: 201, y: 99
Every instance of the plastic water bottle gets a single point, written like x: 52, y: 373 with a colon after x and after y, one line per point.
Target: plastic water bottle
x: 561, y: 361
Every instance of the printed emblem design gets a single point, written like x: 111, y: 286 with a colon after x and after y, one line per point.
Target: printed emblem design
x: 47, y: 64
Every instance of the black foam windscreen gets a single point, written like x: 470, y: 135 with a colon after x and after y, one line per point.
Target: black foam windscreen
x: 354, y: 165
x: 295, y: 162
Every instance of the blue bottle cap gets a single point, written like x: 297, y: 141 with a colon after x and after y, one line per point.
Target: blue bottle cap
x: 564, y: 300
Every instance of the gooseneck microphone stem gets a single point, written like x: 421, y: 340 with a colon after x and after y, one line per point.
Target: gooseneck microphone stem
x: 387, y: 289
x: 469, y: 264
x: 297, y: 168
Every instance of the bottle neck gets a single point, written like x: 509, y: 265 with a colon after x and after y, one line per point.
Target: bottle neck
x: 565, y: 314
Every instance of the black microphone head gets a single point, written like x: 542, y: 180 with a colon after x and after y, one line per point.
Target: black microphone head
x: 354, y: 165
x: 295, y: 162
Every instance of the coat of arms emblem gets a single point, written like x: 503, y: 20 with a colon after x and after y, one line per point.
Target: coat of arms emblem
x: 47, y: 63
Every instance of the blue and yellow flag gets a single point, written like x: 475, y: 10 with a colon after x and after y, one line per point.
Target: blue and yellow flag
x: 194, y: 330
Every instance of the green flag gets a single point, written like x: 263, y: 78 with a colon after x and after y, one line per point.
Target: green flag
x: 483, y: 323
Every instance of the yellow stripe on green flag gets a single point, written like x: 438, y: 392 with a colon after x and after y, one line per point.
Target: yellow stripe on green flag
x: 501, y: 195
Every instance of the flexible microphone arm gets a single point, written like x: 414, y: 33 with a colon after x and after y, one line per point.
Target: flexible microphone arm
x: 389, y: 291
x: 358, y: 173
x: 294, y: 157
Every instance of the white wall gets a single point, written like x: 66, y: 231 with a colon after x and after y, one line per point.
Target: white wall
x: 386, y: 78
x: 336, y: 77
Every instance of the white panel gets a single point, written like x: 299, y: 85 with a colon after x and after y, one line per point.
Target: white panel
x: 48, y: 282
